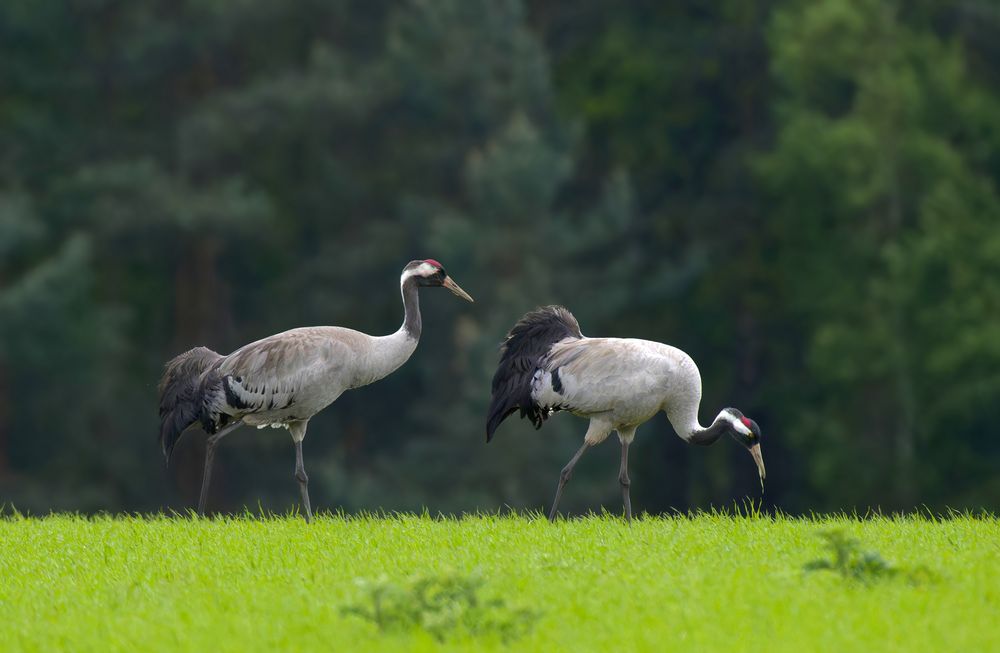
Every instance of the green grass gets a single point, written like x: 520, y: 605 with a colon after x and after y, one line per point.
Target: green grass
x: 705, y: 583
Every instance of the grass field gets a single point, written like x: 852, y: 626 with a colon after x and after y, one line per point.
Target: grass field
x: 710, y: 582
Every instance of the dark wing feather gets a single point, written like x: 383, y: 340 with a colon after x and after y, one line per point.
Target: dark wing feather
x: 181, y: 392
x: 521, y: 354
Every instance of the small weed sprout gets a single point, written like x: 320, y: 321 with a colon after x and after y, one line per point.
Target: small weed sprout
x: 853, y: 563
x: 444, y: 606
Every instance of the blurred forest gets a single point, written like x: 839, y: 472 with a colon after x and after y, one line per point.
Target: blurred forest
x: 801, y: 194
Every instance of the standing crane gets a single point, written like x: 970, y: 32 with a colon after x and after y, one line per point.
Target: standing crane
x: 285, y: 379
x: 547, y: 365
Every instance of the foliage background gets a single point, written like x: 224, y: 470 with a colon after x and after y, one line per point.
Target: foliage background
x: 802, y: 195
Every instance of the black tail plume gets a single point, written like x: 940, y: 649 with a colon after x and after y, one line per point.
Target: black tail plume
x: 180, y: 394
x: 521, y: 353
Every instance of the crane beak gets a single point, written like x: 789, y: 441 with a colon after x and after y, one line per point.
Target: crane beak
x: 455, y: 289
x: 759, y: 459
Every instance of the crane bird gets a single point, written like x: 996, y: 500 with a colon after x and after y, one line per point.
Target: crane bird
x: 285, y: 379
x: 547, y: 365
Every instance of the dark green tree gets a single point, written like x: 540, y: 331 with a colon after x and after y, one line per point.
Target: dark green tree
x: 878, y: 162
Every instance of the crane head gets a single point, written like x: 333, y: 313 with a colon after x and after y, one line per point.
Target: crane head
x: 745, y: 431
x: 428, y: 272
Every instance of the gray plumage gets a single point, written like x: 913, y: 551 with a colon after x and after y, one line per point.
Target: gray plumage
x: 547, y: 365
x: 285, y: 379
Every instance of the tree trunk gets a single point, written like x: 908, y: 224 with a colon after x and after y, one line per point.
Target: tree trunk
x: 201, y: 317
x: 201, y: 314
x: 889, y: 120
x: 4, y: 421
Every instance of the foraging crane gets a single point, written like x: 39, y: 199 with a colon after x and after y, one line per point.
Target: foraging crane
x: 547, y: 365
x: 285, y: 379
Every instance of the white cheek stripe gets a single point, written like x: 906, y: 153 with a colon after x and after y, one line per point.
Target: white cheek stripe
x: 422, y: 270
x: 740, y: 427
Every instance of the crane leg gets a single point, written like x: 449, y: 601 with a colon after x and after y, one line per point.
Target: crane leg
x: 303, y: 479
x: 211, y: 443
x: 564, y: 477
x: 625, y: 482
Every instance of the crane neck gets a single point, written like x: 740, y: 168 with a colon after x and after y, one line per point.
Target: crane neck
x: 682, y: 411
x: 706, y: 436
x: 412, y: 325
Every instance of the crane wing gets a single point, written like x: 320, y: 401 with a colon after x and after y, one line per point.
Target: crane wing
x: 594, y: 375
x: 298, y: 368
